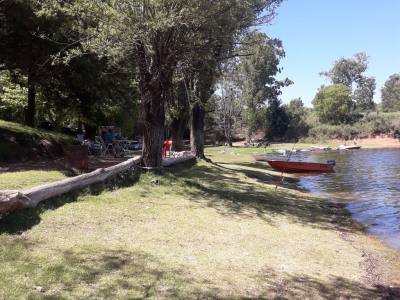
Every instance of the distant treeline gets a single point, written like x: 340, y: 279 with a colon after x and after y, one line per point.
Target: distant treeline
x: 344, y: 109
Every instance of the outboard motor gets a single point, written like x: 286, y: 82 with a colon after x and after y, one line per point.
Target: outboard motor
x: 331, y: 162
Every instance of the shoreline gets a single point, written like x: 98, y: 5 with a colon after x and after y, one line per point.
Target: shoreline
x: 376, y: 253
x: 341, y: 202
x: 381, y: 142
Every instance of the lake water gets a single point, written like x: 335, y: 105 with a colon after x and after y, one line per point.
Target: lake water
x: 368, y: 181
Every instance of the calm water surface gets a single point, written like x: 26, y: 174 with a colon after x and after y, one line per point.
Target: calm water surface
x: 368, y: 181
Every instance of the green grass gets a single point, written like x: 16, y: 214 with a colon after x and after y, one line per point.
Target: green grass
x: 27, y: 179
x: 21, y: 142
x: 25, y: 130
x: 214, y: 230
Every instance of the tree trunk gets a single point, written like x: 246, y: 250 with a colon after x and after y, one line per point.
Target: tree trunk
x: 156, y: 70
x: 229, y: 136
x: 31, y: 108
x: 177, y: 131
x: 197, y: 131
x: 153, y: 128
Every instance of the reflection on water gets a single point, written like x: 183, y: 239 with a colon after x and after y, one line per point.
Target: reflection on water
x: 369, y: 182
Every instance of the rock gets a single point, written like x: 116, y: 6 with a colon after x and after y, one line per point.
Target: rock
x: 39, y: 289
x: 155, y: 181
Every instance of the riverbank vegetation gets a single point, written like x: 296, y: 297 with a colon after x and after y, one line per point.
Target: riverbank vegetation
x: 217, y: 230
x: 344, y: 109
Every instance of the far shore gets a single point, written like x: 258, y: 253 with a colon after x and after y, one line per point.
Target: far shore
x: 370, y: 143
x: 376, y: 142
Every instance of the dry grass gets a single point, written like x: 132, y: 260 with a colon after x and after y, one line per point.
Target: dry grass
x: 215, y: 230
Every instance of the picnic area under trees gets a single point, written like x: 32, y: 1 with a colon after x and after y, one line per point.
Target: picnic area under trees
x: 128, y: 133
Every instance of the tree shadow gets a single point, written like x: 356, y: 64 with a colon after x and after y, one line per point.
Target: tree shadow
x: 107, y: 274
x: 101, y: 273
x: 251, y: 170
x: 295, y: 286
x: 22, y: 220
x: 230, y: 196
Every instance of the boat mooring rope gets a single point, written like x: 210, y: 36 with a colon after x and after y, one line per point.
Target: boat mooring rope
x: 290, y: 154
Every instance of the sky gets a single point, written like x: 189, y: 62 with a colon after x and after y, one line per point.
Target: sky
x: 315, y: 33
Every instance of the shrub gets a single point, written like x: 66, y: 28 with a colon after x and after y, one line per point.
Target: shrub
x: 371, y: 124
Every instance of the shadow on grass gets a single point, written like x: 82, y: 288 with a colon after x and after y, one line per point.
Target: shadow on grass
x: 251, y: 170
x: 231, y: 196
x: 20, y: 221
x: 111, y: 274
x: 289, y: 286
x: 121, y: 274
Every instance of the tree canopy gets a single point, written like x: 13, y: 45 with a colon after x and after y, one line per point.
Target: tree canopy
x: 391, y: 93
x: 333, y: 104
x: 350, y: 72
x: 258, y: 70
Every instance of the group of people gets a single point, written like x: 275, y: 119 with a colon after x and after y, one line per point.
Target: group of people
x: 111, y: 142
x: 106, y: 143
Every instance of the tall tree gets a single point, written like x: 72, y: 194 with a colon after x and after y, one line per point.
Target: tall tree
x: 297, y: 114
x: 364, y: 94
x: 258, y: 68
x: 25, y: 46
x: 350, y: 72
x: 229, y: 106
x: 157, y: 35
x: 391, y: 93
x: 277, y: 119
x: 214, y: 43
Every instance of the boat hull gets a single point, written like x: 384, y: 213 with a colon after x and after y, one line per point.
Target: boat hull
x: 349, y: 147
x: 300, y: 167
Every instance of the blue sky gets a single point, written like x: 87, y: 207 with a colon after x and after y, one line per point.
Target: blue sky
x: 315, y: 33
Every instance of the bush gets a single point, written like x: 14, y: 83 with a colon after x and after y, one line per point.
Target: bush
x: 333, y: 104
x: 371, y: 124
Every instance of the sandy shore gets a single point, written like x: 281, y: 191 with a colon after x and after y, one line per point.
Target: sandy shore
x: 377, y: 142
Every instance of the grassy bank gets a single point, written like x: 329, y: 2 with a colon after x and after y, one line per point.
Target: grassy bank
x: 215, y: 230
x: 18, y: 142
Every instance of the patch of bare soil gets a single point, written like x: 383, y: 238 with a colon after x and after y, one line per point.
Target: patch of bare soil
x: 58, y: 164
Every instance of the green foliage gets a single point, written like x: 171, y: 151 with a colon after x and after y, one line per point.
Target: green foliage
x: 277, y: 120
x: 364, y: 94
x: 12, y: 98
x: 371, y: 124
x: 391, y: 94
x: 333, y: 104
x: 297, y: 114
x: 257, y: 74
x: 349, y: 72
